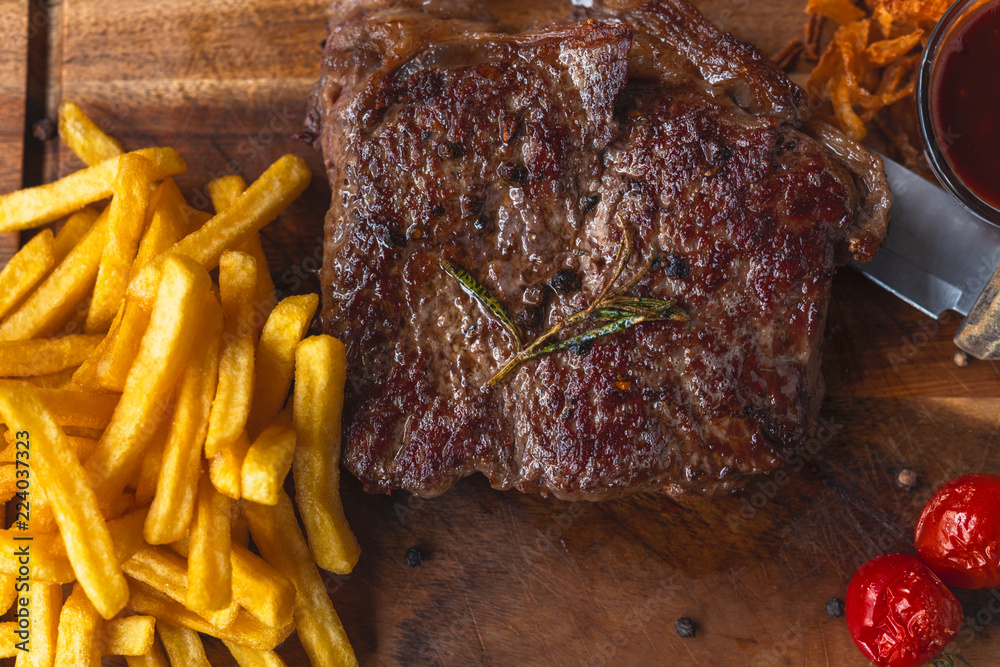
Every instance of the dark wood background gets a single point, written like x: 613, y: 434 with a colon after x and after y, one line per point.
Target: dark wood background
x: 511, y: 579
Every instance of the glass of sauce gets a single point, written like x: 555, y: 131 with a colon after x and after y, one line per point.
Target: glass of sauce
x: 958, y: 103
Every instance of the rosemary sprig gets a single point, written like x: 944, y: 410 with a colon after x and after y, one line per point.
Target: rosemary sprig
x: 478, y: 291
x: 948, y: 660
x: 613, y: 308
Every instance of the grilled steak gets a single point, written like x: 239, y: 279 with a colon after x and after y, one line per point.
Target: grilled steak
x: 541, y: 147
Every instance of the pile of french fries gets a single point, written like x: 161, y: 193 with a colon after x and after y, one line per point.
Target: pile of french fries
x: 146, y: 427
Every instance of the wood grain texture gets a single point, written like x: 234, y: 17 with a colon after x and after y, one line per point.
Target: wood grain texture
x: 511, y: 579
x: 13, y: 79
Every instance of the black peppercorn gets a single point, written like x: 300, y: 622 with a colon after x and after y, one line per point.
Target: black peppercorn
x: 449, y: 150
x: 684, y: 627
x: 835, y: 608
x: 43, y: 129
x: 512, y: 172
x: 565, y: 281
x: 589, y: 202
x: 675, y: 265
x: 394, y: 238
x: 530, y: 317
x: 414, y: 557
x: 483, y: 224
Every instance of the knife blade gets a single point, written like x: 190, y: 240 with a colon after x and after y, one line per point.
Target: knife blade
x: 938, y: 255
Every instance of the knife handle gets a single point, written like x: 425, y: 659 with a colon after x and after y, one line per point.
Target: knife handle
x: 979, y: 334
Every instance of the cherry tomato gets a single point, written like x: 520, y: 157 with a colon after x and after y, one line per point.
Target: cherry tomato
x: 958, y: 534
x: 899, y: 613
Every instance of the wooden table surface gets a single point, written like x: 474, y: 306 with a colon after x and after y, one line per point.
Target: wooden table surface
x: 511, y: 579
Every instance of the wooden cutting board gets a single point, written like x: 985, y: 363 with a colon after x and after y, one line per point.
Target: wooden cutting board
x: 510, y: 579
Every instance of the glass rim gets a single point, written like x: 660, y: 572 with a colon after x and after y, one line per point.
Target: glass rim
x: 939, y: 164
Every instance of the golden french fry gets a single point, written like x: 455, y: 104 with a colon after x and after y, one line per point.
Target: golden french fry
x: 8, y: 593
x: 126, y: 216
x: 57, y: 470
x: 173, y: 504
x: 33, y: 207
x: 72, y: 232
x: 276, y: 533
x: 267, y: 464
x: 231, y: 407
x: 210, y: 582
x: 238, y: 528
x: 78, y: 642
x: 167, y: 224
x: 61, y: 380
x: 25, y: 269
x: 165, y: 345
x: 318, y: 402
x: 83, y: 137
x: 44, y: 603
x: 8, y: 639
x: 55, y: 300
x: 19, y: 358
x: 245, y: 630
x: 73, y: 407
x: 264, y: 294
x: 123, y: 347
x: 183, y: 646
x: 275, y: 361
x: 225, y: 190
x: 226, y: 469
x: 252, y: 657
x: 268, y: 196
x: 49, y: 562
x: 154, y: 658
x: 8, y: 481
x: 166, y: 572
x: 82, y: 447
x: 132, y: 635
x: 152, y: 461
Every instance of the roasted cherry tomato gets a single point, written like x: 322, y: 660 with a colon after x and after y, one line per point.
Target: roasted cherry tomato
x: 899, y: 613
x: 958, y: 534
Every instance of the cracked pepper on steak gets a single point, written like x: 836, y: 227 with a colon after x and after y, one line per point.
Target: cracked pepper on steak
x: 518, y: 139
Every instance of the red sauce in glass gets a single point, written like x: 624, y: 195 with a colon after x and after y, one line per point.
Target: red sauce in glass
x: 965, y: 102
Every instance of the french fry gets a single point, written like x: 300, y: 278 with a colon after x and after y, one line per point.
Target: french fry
x: 210, y: 581
x: 245, y: 630
x: 165, y: 345
x: 276, y: 533
x: 25, y: 269
x: 49, y: 562
x: 8, y: 639
x: 73, y: 407
x: 8, y: 592
x: 44, y: 603
x: 225, y: 190
x: 257, y: 587
x: 261, y: 203
x: 173, y: 504
x: 132, y: 635
x: 275, y: 361
x: 54, y: 301
x: 126, y: 216
x: 252, y: 657
x: 318, y: 402
x: 60, y: 380
x: 231, y: 407
x: 78, y: 641
x: 19, y: 358
x: 166, y: 572
x: 57, y: 470
x: 226, y: 468
x: 183, y: 646
x: 154, y: 658
x: 267, y: 463
x: 72, y: 232
x: 82, y: 447
x: 83, y: 137
x: 33, y: 207
x: 238, y: 528
x: 123, y: 347
x: 8, y: 481
x: 167, y: 224
x: 152, y: 461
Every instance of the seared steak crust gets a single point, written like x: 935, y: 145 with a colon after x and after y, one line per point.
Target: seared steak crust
x: 520, y: 154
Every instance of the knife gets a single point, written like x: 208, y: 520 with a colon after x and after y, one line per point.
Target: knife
x: 940, y: 256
